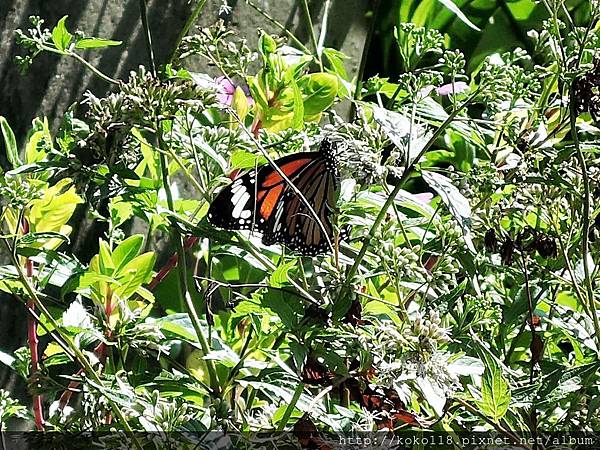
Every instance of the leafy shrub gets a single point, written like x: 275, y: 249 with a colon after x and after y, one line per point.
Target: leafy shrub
x: 461, y: 290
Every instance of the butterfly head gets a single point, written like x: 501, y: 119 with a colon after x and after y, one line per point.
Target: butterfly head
x: 329, y: 150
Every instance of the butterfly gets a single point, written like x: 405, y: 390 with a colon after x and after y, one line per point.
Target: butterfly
x: 261, y: 200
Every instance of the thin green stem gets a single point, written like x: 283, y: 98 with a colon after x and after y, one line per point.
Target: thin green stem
x: 80, y: 59
x: 279, y: 25
x: 585, y: 228
x: 182, y: 265
x: 363, y: 59
x: 311, y: 30
x: 186, y: 28
x: 382, y: 213
x: 147, y: 35
x: 323, y: 30
x: 290, y: 408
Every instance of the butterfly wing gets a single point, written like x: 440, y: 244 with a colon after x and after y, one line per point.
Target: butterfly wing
x: 248, y: 202
x: 263, y: 201
x: 293, y: 224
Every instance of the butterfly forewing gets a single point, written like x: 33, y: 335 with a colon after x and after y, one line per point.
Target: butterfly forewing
x: 263, y: 201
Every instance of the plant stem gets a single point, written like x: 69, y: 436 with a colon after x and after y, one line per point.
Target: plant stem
x: 32, y: 340
x: 171, y: 263
x: 181, y: 262
x: 147, y: 35
x: 79, y: 356
x: 279, y: 25
x: 392, y: 196
x: 311, y: 30
x: 585, y: 228
x: 290, y: 408
x: 323, y: 30
x: 82, y: 61
x: 186, y: 28
x: 363, y: 58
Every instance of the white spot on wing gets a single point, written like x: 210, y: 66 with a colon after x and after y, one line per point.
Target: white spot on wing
x: 238, y: 194
x: 240, y: 205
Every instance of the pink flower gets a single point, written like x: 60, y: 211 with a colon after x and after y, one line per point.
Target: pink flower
x: 451, y: 89
x: 226, y: 90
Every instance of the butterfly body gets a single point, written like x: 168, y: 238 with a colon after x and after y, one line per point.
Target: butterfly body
x: 262, y: 200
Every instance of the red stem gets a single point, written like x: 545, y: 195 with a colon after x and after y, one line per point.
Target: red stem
x: 100, y: 350
x: 32, y: 340
x: 190, y: 241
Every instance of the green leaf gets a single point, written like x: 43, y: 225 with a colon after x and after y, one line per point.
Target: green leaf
x: 10, y: 143
x: 495, y: 394
x: 280, y: 276
x: 51, y: 212
x: 137, y: 272
x: 106, y: 265
x: 6, y: 359
x: 456, y: 10
x: 87, y: 43
x: 243, y: 159
x: 126, y: 251
x: 38, y: 146
x: 267, y: 45
x: 336, y: 62
x: 319, y: 91
x: 61, y: 36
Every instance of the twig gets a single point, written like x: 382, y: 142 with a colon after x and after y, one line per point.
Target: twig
x: 32, y: 340
x: 363, y: 59
x: 311, y: 30
x: 147, y: 35
x: 82, y: 61
x: 323, y: 30
x: 186, y: 28
x: 279, y: 25
x: 189, y: 304
x: 391, y: 198
x: 585, y: 229
x: 290, y: 408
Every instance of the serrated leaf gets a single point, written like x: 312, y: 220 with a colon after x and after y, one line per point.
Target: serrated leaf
x: 495, y: 394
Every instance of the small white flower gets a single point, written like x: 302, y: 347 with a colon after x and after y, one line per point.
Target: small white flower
x: 76, y: 316
x: 63, y: 413
x: 225, y: 9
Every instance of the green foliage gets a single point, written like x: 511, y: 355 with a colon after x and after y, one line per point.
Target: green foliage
x: 462, y: 290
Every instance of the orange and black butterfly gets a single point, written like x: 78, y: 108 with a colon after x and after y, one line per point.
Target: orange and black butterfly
x: 261, y: 200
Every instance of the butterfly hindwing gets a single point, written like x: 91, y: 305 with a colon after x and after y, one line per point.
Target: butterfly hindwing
x: 233, y: 208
